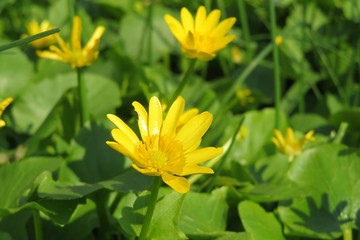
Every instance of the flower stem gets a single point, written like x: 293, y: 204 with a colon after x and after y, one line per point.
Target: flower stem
x: 244, y: 74
x: 185, y: 79
x: 150, y: 210
x: 276, y: 64
x: 37, y: 225
x: 150, y: 29
x: 84, y: 110
x: 347, y: 232
x: 245, y: 27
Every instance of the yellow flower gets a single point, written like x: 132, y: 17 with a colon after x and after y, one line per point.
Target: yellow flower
x: 289, y: 146
x: 165, y: 149
x: 279, y: 40
x: 203, y: 36
x: 3, y: 106
x: 75, y: 55
x: 244, y: 95
x: 33, y: 27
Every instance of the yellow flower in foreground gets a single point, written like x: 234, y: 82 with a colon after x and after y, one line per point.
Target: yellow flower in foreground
x: 3, y: 106
x: 75, y: 55
x: 33, y: 27
x: 289, y: 146
x: 203, y: 36
x: 165, y: 149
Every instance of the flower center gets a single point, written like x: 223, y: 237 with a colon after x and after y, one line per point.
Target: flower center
x: 161, y: 154
x: 199, y: 42
x: 157, y: 159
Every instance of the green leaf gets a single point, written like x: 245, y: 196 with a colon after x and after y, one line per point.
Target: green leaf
x: 17, y: 177
x: 50, y: 189
x: 307, y: 122
x: 130, y: 181
x: 259, y: 223
x: 37, y: 102
x: 132, y: 209
x: 91, y: 159
x: 260, y: 128
x: 18, y: 219
x: 103, y: 95
x: 203, y: 214
x: 136, y: 42
x: 330, y: 173
x: 16, y: 72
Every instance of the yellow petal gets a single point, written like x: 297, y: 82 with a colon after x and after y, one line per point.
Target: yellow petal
x: 223, y: 42
x: 191, y: 133
x: 145, y: 171
x: 279, y: 139
x: 223, y: 27
x: 155, y: 116
x: 124, y: 150
x: 124, y: 128
x: 187, y: 115
x: 62, y: 44
x: 124, y: 139
x: 289, y: 138
x: 94, y: 40
x: 142, y: 119
x: 175, y: 27
x: 179, y: 184
x: 2, y: 123
x: 172, y: 117
x: 211, y: 21
x: 76, y: 34
x: 195, y: 169
x: 187, y: 20
x: 3, y: 104
x: 201, y: 155
x: 49, y: 55
x: 200, y: 18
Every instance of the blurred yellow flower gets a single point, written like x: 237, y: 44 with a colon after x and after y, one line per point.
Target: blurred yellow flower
x: 279, y: 40
x: 242, y: 133
x: 3, y: 106
x: 289, y: 146
x: 203, y: 36
x: 33, y: 27
x: 165, y: 149
x: 244, y: 95
x: 237, y: 55
x: 75, y: 55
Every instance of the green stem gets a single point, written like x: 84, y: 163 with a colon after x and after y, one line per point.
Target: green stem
x: 101, y: 198
x: 84, y: 110
x: 150, y: 210
x: 150, y: 30
x: 347, y: 233
x: 221, y: 164
x: 245, y: 27
x: 28, y: 39
x: 253, y: 64
x: 184, y: 80
x: 302, y: 75
x: 276, y: 64
x: 37, y: 225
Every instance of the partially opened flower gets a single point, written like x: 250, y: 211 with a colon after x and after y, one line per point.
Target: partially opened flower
x: 73, y: 53
x: 203, y: 36
x: 289, y: 145
x: 3, y: 106
x: 33, y: 27
x: 165, y: 148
